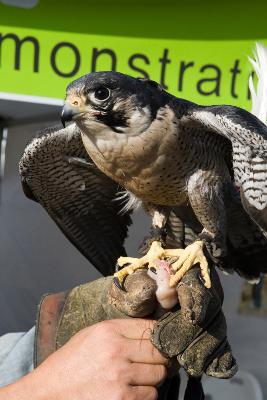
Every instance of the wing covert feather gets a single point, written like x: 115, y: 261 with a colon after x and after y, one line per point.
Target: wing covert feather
x: 248, y: 137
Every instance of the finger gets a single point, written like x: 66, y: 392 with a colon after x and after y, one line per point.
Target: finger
x: 138, y: 298
x: 147, y: 374
x: 194, y: 299
x: 135, y: 328
x: 186, y: 301
x: 144, y: 392
x: 199, y: 354
x: 143, y: 351
x: 224, y: 365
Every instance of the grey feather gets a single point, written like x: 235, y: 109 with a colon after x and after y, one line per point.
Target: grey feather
x: 248, y: 136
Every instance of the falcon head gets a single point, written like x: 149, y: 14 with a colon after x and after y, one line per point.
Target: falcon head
x: 111, y: 102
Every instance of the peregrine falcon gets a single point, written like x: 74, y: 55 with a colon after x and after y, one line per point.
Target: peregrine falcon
x: 203, y: 165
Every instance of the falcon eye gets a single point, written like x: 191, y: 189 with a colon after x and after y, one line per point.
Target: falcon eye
x: 102, y: 93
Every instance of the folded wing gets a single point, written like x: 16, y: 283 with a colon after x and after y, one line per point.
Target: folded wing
x: 248, y: 136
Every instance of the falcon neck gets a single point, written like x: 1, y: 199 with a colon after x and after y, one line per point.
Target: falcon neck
x: 121, y: 159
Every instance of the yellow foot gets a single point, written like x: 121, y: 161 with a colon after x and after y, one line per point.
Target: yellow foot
x: 156, y: 252
x: 191, y: 255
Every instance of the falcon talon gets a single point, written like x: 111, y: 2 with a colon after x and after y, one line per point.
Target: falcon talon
x: 201, y: 279
x: 119, y: 285
x: 117, y: 267
x: 191, y: 256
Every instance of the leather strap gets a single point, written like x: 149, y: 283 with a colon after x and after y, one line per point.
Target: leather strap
x: 194, y: 389
x: 48, y: 318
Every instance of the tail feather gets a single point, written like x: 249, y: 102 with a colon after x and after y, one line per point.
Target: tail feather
x: 247, y: 247
x: 252, y: 177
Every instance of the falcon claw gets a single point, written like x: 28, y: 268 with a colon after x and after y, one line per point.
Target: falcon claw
x: 63, y: 121
x: 200, y: 277
x: 117, y: 268
x: 119, y: 285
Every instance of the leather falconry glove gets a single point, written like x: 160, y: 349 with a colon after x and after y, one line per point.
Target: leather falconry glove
x: 194, y: 332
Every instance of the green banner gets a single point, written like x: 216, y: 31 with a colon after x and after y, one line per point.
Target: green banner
x: 41, y: 63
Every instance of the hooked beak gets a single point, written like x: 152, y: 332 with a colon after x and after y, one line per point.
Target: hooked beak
x: 69, y: 112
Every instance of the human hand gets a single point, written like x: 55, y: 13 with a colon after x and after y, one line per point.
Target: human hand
x: 110, y: 360
x: 194, y: 332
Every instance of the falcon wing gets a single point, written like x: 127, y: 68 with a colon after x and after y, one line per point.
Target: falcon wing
x: 248, y: 137
x: 57, y: 172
